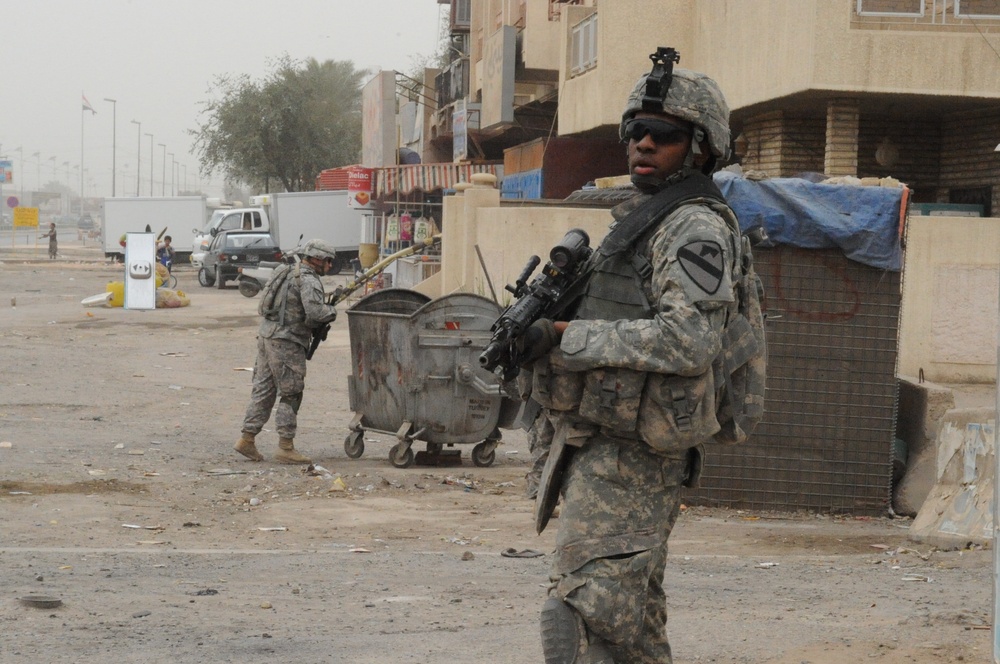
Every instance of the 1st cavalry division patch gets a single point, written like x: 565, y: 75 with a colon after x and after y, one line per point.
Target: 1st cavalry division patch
x: 703, y: 262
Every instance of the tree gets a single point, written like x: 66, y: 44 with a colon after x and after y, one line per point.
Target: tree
x: 299, y: 119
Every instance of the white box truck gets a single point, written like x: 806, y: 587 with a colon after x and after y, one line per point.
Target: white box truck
x: 291, y: 218
x: 174, y: 214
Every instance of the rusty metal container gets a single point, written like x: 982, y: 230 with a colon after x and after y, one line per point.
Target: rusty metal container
x: 415, y: 374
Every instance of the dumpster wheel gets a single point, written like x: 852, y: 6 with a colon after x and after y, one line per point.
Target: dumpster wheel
x: 354, y: 444
x: 401, y: 455
x: 485, y: 453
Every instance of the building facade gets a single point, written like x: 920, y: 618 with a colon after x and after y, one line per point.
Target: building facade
x: 868, y: 88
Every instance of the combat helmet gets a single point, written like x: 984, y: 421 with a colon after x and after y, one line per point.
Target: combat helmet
x: 685, y: 94
x: 318, y: 249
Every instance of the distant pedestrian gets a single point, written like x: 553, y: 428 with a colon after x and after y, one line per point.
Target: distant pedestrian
x: 53, y: 245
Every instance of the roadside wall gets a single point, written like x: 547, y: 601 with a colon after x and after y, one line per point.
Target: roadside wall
x: 948, y: 328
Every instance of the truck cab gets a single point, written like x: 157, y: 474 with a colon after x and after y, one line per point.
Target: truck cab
x: 248, y: 219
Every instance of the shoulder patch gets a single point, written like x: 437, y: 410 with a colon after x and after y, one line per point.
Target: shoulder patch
x: 704, y: 262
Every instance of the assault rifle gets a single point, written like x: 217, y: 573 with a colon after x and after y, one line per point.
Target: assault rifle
x: 318, y: 337
x: 544, y: 297
x: 360, y: 279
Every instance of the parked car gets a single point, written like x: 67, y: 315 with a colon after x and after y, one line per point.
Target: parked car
x: 232, y: 250
x: 85, y: 222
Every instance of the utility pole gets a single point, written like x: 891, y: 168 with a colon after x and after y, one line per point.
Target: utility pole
x: 138, y: 157
x: 114, y: 151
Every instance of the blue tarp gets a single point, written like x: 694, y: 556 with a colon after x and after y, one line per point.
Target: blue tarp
x: 863, y: 222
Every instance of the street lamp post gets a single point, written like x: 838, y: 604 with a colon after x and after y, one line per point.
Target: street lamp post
x: 171, y: 173
x: 38, y: 164
x: 163, y: 189
x: 150, y: 164
x: 114, y: 152
x: 20, y: 151
x: 138, y: 156
x: 185, y: 167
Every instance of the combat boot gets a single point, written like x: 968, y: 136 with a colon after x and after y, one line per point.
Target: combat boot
x: 245, y: 446
x: 287, y: 454
x: 564, y: 637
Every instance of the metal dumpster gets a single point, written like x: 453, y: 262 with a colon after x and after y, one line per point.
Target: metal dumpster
x: 415, y: 375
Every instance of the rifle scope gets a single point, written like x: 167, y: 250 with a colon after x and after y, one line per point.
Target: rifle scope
x: 574, y: 248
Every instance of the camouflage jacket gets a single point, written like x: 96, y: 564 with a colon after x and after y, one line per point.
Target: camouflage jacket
x: 305, y: 309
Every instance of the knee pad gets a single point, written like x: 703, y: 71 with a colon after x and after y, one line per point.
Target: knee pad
x: 293, y: 400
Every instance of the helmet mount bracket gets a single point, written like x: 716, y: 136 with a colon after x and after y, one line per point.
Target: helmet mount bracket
x: 659, y: 79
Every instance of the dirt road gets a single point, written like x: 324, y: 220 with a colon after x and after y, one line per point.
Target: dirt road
x: 121, y: 497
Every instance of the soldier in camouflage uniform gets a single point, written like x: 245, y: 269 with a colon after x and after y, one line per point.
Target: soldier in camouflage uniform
x: 628, y: 384
x: 293, y: 305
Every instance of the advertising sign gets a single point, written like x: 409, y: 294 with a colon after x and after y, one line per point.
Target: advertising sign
x: 140, y: 271
x: 26, y: 217
x: 359, y: 187
x: 498, y: 77
x: 378, y: 121
x: 460, y: 134
x: 6, y: 171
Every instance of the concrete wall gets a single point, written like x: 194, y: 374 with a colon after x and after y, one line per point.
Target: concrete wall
x: 948, y: 327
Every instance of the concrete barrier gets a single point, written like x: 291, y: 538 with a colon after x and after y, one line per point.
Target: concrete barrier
x: 959, y: 508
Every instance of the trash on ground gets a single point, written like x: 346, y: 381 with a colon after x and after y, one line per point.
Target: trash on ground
x: 272, y: 529
x: 41, y: 601
x: 765, y: 565
x: 511, y: 552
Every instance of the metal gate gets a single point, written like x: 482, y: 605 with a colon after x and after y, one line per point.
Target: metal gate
x: 825, y: 443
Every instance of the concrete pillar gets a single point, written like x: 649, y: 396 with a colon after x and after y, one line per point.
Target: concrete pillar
x: 842, y: 119
x: 453, y: 239
x: 482, y: 194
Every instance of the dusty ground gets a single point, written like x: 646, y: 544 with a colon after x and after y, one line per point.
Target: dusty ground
x: 121, y: 496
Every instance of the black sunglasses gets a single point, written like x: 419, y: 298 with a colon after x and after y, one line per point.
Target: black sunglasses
x: 661, y: 131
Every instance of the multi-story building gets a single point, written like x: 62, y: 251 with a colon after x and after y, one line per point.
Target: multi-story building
x: 901, y: 88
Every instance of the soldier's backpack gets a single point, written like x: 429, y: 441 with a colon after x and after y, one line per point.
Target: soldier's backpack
x: 272, y: 300
x: 741, y: 367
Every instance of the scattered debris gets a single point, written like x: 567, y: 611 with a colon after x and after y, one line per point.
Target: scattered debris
x: 204, y: 592
x: 765, y: 565
x: 142, y: 614
x: 468, y: 555
x: 523, y: 553
x: 41, y: 601
x: 916, y: 577
x: 272, y: 529
x: 6, y: 444
x: 359, y: 549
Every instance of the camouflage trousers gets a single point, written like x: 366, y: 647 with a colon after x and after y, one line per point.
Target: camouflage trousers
x: 620, y: 502
x: 280, y: 369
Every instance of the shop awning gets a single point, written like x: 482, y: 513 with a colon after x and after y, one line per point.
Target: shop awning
x: 428, y: 177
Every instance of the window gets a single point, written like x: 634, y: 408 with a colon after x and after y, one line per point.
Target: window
x: 461, y: 14
x: 891, y: 7
x: 583, y: 49
x: 977, y: 9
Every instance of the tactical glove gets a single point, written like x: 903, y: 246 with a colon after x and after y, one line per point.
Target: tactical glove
x: 536, y: 341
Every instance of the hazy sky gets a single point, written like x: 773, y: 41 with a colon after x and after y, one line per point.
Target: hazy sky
x: 157, y: 59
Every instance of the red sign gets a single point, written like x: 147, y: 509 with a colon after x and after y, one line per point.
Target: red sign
x: 359, y: 187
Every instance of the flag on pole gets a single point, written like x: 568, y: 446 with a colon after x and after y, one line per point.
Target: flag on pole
x: 86, y: 104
